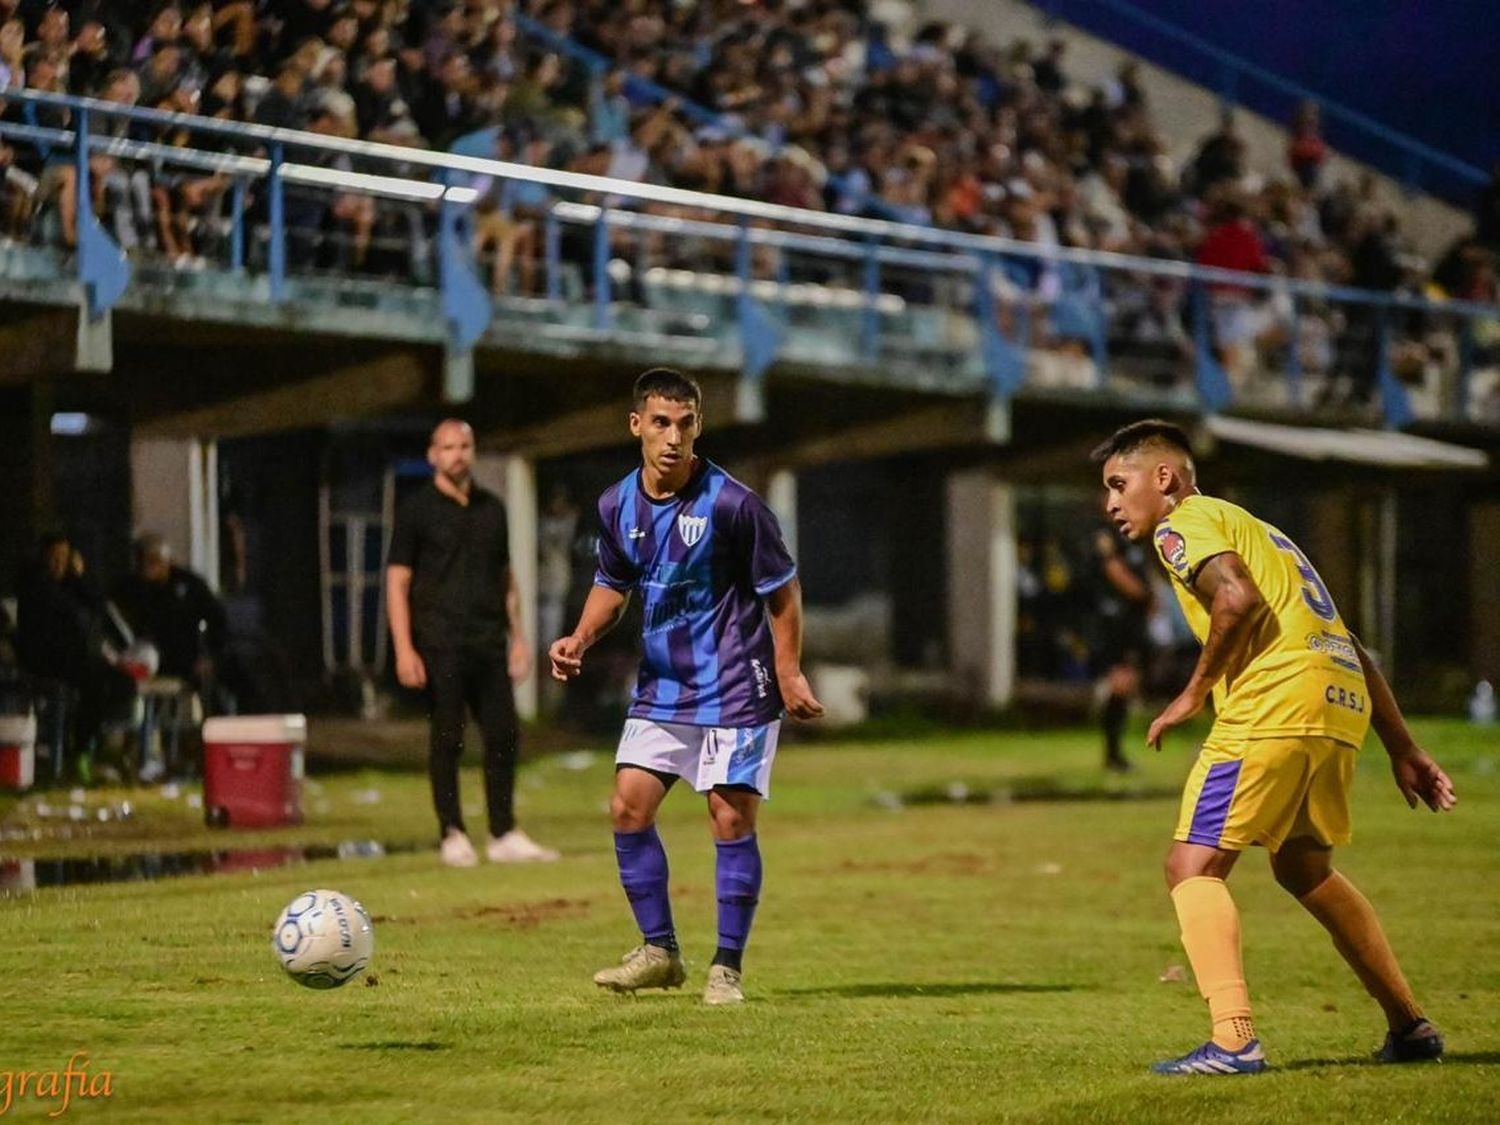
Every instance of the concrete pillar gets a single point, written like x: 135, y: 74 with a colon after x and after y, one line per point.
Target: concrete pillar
x: 175, y: 492
x: 458, y: 375
x: 781, y: 498
x: 514, y: 480
x: 203, y: 552
x: 982, y: 584
x: 1484, y: 590
x: 95, y: 350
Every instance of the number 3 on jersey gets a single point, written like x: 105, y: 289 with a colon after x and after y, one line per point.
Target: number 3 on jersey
x: 1314, y: 593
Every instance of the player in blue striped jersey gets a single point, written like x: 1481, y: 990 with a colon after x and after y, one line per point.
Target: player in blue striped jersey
x: 721, y: 663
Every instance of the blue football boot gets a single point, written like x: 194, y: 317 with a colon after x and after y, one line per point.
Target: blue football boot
x: 1214, y: 1059
x: 1418, y: 1042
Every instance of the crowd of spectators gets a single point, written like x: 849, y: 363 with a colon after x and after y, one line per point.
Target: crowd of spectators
x: 823, y: 110
x: 809, y: 103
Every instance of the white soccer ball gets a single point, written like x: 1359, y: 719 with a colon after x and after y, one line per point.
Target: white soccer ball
x: 323, y: 939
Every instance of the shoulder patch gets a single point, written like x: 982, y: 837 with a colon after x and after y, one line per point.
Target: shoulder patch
x: 1173, y: 549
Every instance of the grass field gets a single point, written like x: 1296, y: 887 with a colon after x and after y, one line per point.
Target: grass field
x: 946, y: 961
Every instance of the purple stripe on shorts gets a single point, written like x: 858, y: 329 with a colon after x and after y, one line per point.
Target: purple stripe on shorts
x: 1212, y: 809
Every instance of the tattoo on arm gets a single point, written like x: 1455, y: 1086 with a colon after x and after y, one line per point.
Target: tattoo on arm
x: 1217, y: 571
x: 1232, y: 598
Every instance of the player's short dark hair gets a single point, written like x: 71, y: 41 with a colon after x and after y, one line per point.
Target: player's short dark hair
x: 1127, y: 439
x: 667, y: 383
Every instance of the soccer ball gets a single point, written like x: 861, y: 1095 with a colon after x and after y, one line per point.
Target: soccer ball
x: 323, y: 939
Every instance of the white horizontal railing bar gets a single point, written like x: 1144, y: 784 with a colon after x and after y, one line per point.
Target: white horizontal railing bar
x: 311, y: 175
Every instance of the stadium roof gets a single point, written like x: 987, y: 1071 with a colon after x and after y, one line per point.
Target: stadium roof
x: 1363, y: 447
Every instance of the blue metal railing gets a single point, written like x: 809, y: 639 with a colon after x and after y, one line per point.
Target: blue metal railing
x: 1416, y: 164
x: 1001, y: 299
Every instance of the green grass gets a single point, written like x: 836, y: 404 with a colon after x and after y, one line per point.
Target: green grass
x: 955, y: 962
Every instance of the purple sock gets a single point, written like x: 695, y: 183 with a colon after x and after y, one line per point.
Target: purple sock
x: 643, y: 874
x: 737, y: 880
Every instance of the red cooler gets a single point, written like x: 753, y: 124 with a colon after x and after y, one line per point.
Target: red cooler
x: 252, y: 770
x: 17, y: 751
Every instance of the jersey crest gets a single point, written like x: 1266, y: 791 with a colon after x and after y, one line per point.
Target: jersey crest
x: 691, y: 528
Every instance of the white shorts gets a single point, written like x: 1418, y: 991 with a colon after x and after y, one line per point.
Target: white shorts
x: 1239, y: 320
x: 702, y: 756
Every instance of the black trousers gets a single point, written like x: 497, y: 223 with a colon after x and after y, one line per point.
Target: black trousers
x: 460, y: 680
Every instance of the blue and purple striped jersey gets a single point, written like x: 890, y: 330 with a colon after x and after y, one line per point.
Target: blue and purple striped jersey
x: 702, y: 561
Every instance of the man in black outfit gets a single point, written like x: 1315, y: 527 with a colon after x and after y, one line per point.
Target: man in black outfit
x: 175, y: 610
x: 452, y: 601
x: 1123, y: 601
x: 64, y: 634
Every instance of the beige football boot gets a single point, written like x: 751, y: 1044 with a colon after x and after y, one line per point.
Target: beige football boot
x: 723, y: 986
x: 645, y: 966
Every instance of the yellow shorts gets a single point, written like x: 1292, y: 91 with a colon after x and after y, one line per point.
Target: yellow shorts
x: 1267, y: 791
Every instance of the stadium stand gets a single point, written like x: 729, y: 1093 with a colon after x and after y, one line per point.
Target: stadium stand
x: 808, y: 105
x: 814, y: 105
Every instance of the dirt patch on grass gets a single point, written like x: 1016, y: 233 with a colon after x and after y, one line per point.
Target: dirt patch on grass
x: 514, y: 915
x: 529, y: 915
x: 944, y: 863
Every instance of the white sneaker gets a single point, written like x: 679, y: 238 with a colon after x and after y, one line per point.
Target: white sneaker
x: 457, y: 851
x: 517, y: 847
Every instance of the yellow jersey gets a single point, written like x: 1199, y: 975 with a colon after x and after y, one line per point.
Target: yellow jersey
x: 1299, y: 673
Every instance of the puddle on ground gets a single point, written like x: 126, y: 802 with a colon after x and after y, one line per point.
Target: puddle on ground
x: 19, y: 875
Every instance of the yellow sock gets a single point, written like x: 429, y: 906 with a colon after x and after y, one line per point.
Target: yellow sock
x: 1211, y: 936
x: 1357, y: 934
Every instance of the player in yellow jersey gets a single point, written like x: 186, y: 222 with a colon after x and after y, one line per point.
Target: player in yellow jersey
x: 1294, y: 694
